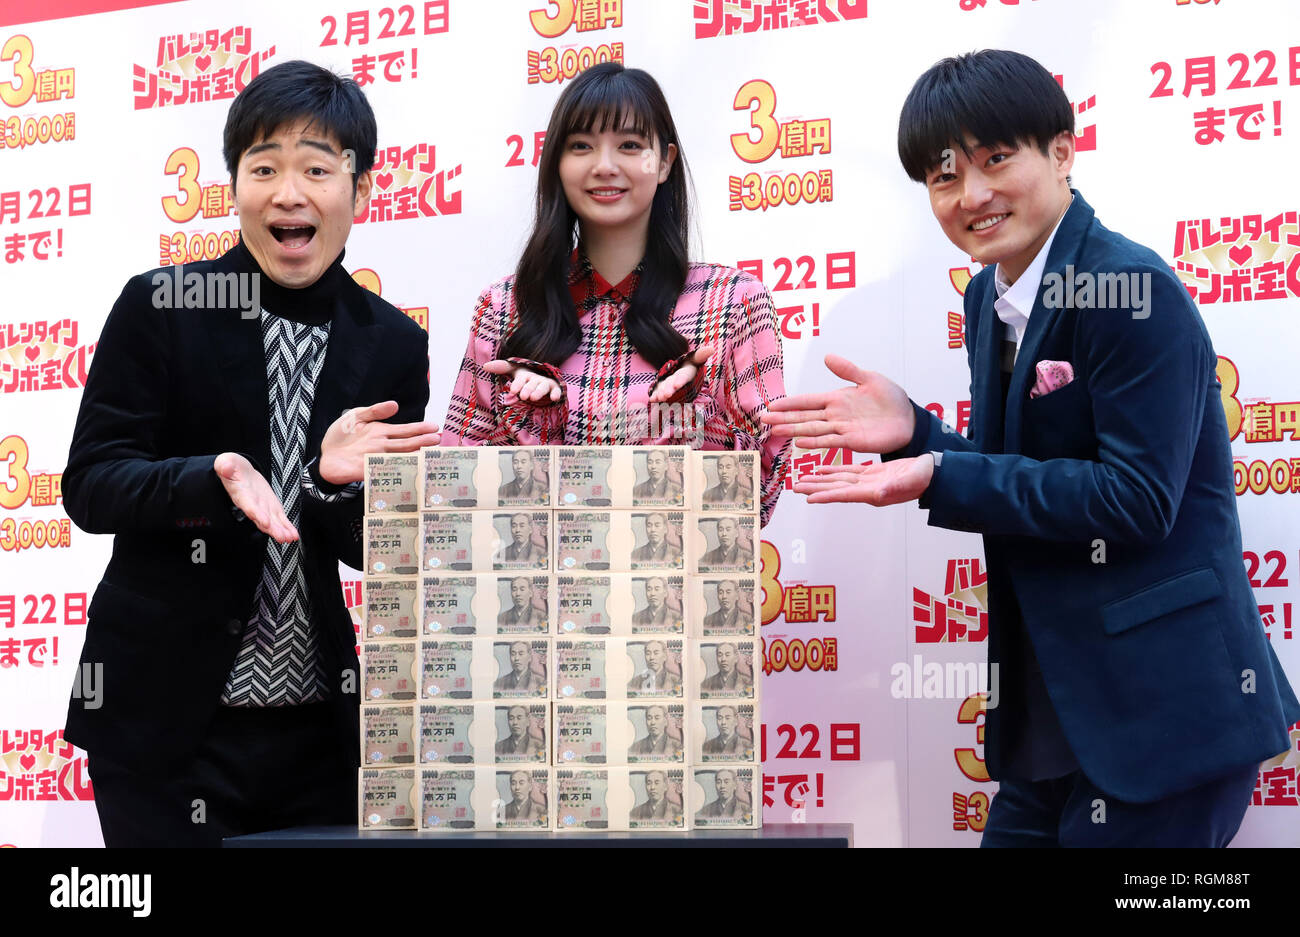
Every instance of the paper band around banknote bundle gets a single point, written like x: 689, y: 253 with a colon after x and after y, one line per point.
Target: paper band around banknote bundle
x: 478, y: 477
x: 500, y: 667
x: 619, y: 733
x: 486, y: 604
x: 623, y: 477
x: 640, y: 667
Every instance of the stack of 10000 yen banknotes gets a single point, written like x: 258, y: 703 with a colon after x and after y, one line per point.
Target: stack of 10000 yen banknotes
x: 560, y: 638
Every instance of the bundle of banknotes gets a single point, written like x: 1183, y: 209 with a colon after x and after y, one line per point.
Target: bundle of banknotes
x: 561, y: 639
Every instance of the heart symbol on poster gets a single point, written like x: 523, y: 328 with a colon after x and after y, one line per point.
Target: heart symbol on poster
x: 202, y: 62
x: 32, y: 352
x: 1240, y: 254
x: 384, y: 180
x: 27, y: 761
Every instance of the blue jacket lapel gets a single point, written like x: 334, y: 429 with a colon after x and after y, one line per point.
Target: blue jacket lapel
x: 986, y: 376
x: 1066, y: 247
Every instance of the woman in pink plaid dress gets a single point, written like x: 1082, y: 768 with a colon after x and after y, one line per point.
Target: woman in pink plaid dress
x: 607, y: 334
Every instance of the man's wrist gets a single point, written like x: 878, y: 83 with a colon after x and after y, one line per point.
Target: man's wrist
x: 325, y: 486
x: 923, y: 501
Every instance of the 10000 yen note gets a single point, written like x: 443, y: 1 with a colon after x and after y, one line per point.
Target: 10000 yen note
x: 388, y: 735
x: 623, y: 477
x: 454, y: 733
x: 724, y: 606
x: 392, y: 483
x: 485, y: 668
x: 723, y: 731
x: 726, y: 797
x: 485, y: 798
x: 388, y: 671
x: 725, y: 482
x: 387, y: 799
x: 620, y: 604
x: 725, y: 543
x: 727, y: 668
x: 523, y: 800
x: 659, y: 798
x: 582, y: 799
x: 447, y: 799
x: 486, y: 604
x: 487, y: 477
x: 392, y: 545
x: 620, y: 541
x: 389, y: 608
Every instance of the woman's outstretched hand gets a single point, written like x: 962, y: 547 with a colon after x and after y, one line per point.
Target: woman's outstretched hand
x: 528, y: 386
x: 682, y: 377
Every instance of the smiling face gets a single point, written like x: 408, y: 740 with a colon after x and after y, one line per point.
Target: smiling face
x: 610, y: 177
x: 1001, y: 203
x: 294, y: 194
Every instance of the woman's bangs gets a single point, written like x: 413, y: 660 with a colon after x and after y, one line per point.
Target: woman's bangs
x: 603, y: 106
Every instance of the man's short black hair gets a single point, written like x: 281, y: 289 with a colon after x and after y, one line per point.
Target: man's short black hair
x: 994, y: 96
x: 294, y: 91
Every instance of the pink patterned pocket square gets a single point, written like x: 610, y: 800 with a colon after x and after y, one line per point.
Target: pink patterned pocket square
x: 1052, y: 375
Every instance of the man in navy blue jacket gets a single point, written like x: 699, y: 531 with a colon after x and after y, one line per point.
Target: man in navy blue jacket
x: 1138, y: 691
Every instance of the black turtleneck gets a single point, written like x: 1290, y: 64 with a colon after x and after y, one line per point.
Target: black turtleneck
x: 311, y: 305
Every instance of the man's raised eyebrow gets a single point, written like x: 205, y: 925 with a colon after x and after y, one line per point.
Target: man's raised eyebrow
x: 303, y: 141
x: 319, y: 144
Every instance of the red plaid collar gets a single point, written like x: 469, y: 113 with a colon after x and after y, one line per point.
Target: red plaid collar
x: 586, y: 284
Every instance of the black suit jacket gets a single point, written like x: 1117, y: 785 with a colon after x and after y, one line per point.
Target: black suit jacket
x: 168, y: 391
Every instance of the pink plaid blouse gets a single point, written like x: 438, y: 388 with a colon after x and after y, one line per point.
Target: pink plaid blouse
x: 607, y: 384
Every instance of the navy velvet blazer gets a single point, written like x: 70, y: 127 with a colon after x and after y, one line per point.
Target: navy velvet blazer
x: 1155, y: 659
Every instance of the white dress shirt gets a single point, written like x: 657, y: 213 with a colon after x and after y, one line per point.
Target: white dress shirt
x: 1015, y: 301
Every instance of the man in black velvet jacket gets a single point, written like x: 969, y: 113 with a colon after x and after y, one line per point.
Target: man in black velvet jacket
x: 221, y: 440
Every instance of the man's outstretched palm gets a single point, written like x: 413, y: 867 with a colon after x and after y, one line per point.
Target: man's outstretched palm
x: 893, y: 482
x: 252, y: 493
x: 874, y: 415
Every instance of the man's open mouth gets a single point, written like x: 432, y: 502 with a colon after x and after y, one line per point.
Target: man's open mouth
x: 293, y: 237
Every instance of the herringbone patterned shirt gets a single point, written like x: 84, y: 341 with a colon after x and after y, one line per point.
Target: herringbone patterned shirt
x: 279, y: 661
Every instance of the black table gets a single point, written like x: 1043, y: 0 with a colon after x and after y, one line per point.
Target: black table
x: 772, y: 835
